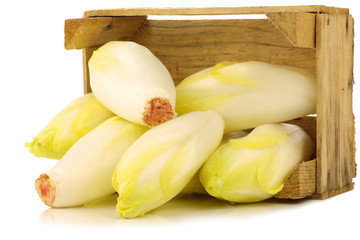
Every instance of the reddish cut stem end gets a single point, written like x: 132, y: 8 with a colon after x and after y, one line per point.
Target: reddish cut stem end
x: 157, y: 111
x: 46, y: 189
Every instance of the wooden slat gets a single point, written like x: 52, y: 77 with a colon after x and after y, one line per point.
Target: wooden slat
x: 298, y: 27
x: 301, y: 182
x: 348, y: 130
x: 346, y: 121
x: 88, y: 32
x: 186, y: 46
x: 335, y: 134
x: 212, y: 11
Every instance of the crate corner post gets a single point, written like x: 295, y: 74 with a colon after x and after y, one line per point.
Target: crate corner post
x: 335, y: 119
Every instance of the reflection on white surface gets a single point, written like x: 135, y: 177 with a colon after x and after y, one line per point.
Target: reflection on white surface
x: 182, y: 208
x: 101, y: 213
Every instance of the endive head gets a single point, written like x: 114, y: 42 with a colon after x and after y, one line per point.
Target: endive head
x: 194, y: 186
x: 85, y: 172
x: 255, y: 167
x: 164, y: 160
x: 132, y: 82
x: 67, y: 127
x: 248, y: 94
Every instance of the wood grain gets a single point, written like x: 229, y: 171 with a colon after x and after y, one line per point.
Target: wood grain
x: 333, y: 192
x: 298, y: 27
x: 335, y: 124
x: 88, y: 32
x: 187, y: 46
x: 212, y: 11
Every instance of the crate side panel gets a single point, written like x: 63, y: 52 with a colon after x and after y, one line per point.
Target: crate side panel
x: 335, y: 135
x: 186, y: 46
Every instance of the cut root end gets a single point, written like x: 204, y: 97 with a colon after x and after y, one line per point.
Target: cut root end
x: 157, y: 111
x: 46, y: 189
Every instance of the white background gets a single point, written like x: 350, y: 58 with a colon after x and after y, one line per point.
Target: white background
x: 39, y: 77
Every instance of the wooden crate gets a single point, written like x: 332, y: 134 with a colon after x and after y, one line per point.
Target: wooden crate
x: 316, y: 38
